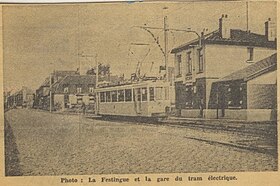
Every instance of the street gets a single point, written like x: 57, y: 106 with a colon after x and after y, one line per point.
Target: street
x: 42, y: 143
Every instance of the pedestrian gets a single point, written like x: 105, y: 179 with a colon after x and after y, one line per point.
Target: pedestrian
x: 84, y: 108
x: 201, y: 107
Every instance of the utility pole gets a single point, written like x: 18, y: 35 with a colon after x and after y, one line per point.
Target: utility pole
x: 51, y: 92
x: 166, y: 30
x: 247, y: 16
x: 165, y: 47
x: 96, y: 76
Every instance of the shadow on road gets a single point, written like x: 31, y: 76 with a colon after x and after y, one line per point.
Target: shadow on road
x: 12, y: 165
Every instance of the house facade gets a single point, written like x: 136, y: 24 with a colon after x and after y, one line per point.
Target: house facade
x: 203, y: 61
x: 42, y: 96
x: 73, y: 91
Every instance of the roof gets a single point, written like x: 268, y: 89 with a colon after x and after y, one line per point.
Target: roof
x: 237, y: 37
x: 73, y: 80
x: 261, y: 67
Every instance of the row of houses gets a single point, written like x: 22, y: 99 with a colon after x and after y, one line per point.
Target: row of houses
x: 21, y: 98
x: 231, y: 74
x: 70, y: 90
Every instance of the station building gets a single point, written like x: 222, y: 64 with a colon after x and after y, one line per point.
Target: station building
x: 202, y: 62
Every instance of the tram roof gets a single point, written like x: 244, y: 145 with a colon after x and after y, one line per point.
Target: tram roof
x: 132, y: 84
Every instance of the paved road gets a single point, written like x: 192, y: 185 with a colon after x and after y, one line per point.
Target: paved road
x: 55, y: 144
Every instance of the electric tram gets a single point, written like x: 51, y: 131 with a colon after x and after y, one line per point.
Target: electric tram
x: 141, y: 99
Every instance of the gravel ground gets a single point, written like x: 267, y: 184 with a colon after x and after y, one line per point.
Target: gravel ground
x: 54, y: 144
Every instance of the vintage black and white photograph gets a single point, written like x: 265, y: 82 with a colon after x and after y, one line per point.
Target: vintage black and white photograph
x: 139, y: 88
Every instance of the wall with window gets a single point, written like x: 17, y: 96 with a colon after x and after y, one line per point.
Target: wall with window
x: 221, y: 60
x: 190, y: 64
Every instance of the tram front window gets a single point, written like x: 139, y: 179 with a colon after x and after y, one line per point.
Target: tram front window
x: 121, y: 95
x: 128, y: 95
x: 144, y: 94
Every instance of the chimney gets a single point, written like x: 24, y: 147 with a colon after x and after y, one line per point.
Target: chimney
x: 224, y: 26
x: 270, y: 30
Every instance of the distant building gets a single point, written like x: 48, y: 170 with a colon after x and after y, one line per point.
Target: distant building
x: 221, y: 52
x: 42, y: 97
x: 73, y: 91
x: 21, y: 98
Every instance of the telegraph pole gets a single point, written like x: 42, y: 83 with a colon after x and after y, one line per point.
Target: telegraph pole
x: 247, y: 16
x: 165, y: 46
x: 51, y: 92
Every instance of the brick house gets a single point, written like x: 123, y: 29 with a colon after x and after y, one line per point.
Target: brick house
x: 221, y: 52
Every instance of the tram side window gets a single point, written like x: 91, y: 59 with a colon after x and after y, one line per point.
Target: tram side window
x: 114, y: 96
x: 102, y: 97
x: 128, y: 95
x: 144, y: 94
x: 152, y: 93
x: 138, y: 94
x: 121, y: 95
x: 108, y: 96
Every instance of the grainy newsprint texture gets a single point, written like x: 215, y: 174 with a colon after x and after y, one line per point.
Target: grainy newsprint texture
x: 143, y: 93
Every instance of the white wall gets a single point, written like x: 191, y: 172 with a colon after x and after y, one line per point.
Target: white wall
x: 222, y: 60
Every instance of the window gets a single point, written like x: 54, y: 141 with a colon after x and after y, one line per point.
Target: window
x: 108, y: 96
x: 144, y: 94
x: 152, y: 93
x: 179, y: 65
x: 91, y: 89
x: 189, y: 63
x: 102, y: 97
x: 250, y: 54
x: 79, y: 89
x: 235, y: 95
x: 138, y: 94
x: 66, y: 90
x: 120, y: 95
x: 114, y: 96
x: 128, y: 95
x: 200, y: 60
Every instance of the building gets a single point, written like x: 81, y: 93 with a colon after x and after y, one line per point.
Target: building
x: 203, y: 61
x: 249, y: 93
x: 73, y: 91
x: 42, y: 97
x: 21, y: 98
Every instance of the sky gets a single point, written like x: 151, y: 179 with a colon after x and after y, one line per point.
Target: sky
x: 38, y: 39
